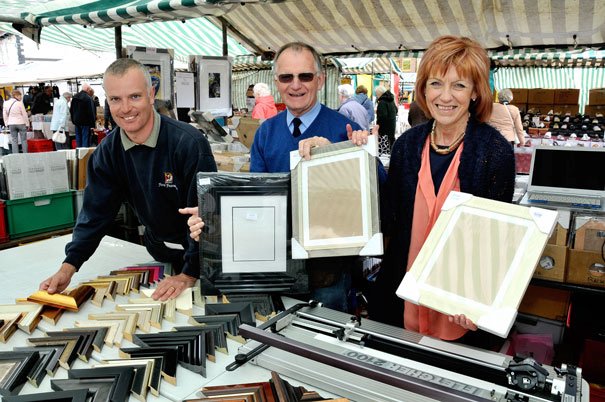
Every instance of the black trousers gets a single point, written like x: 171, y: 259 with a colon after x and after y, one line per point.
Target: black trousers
x: 160, y: 252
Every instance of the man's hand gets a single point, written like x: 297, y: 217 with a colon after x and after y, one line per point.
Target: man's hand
x: 173, y: 286
x: 59, y: 281
x: 195, y: 222
x: 360, y: 137
x: 464, y: 322
x: 304, y: 147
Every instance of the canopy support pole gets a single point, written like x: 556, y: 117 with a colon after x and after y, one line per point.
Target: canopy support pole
x: 225, y: 47
x: 118, y: 41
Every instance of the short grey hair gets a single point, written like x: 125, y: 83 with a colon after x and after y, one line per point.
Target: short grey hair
x: 506, y: 95
x: 299, y: 47
x: 261, y: 89
x: 346, y: 90
x: 380, y: 90
x: 121, y: 67
x: 67, y: 95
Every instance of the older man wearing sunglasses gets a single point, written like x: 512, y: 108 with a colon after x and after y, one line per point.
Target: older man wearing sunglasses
x: 306, y: 123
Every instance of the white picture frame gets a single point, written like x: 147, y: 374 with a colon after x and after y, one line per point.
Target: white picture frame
x: 213, y: 85
x: 478, y: 260
x: 160, y: 64
x: 335, y: 201
x: 254, y: 233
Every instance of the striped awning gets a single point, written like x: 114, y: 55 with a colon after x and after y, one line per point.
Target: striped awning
x: 338, y: 27
x: 194, y: 37
x: 578, y: 58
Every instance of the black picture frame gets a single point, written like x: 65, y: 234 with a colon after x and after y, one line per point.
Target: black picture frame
x: 19, y: 365
x: 212, y: 187
x: 100, y: 388
x: 76, y: 395
x: 122, y: 377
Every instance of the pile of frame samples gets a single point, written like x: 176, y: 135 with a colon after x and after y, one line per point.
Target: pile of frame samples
x: 45, y: 355
x: 275, y: 390
x: 229, y: 315
x: 265, y: 305
x: 193, y: 346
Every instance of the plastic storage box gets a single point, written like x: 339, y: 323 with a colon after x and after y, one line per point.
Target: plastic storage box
x: 40, y: 145
x: 33, y: 215
x: 3, y: 232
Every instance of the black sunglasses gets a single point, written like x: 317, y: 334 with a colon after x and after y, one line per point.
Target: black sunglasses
x: 288, y: 78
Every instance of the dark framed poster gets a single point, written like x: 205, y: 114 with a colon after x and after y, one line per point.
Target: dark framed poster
x: 213, y: 84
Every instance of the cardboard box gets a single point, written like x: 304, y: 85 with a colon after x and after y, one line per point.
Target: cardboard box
x: 552, y: 263
x: 82, y: 157
x: 596, y: 97
x: 567, y: 96
x: 232, y: 161
x: 562, y: 109
x: 546, y: 302
x: 540, y: 108
x: 589, y: 233
x: 531, y: 324
x: 541, y: 96
x: 519, y: 95
x: 585, y: 268
x: 592, y: 110
x: 559, y: 235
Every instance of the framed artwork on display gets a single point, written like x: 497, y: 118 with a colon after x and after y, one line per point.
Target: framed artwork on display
x: 335, y: 201
x: 159, y: 63
x: 244, y: 244
x: 213, y: 84
x: 478, y: 260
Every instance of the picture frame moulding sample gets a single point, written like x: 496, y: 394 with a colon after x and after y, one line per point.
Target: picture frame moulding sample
x: 76, y: 395
x: 70, y: 301
x: 107, y: 289
x: 69, y: 354
x: 112, y: 329
x: 52, y: 365
x: 169, y: 355
x: 15, y: 366
x: 122, y: 376
x: 183, y: 303
x: 142, y: 377
x: 30, y: 314
x: 10, y: 323
x: 101, y: 388
x: 130, y: 320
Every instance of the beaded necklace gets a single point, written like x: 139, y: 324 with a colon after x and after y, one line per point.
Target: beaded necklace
x: 449, y: 148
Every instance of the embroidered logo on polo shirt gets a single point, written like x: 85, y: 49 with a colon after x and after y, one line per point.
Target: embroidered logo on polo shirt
x: 168, y: 181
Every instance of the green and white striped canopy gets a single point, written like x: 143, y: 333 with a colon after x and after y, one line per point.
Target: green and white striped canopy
x: 337, y: 27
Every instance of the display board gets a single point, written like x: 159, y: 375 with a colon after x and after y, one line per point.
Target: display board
x: 213, y: 84
x: 159, y: 63
x: 478, y: 260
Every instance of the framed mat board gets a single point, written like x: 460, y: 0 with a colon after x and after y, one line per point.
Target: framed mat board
x: 335, y: 201
x: 478, y: 260
x: 243, y: 247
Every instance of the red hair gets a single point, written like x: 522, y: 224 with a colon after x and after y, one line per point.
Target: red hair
x: 471, y: 62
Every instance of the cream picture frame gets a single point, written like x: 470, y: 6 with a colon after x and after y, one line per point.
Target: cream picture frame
x: 335, y: 201
x: 478, y: 260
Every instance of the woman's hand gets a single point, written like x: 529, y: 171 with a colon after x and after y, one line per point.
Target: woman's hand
x: 460, y: 319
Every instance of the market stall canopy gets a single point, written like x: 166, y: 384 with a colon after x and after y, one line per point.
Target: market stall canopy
x: 196, y: 36
x: 46, y: 71
x: 339, y: 27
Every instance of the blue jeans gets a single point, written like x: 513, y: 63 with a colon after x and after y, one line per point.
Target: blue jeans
x: 82, y: 136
